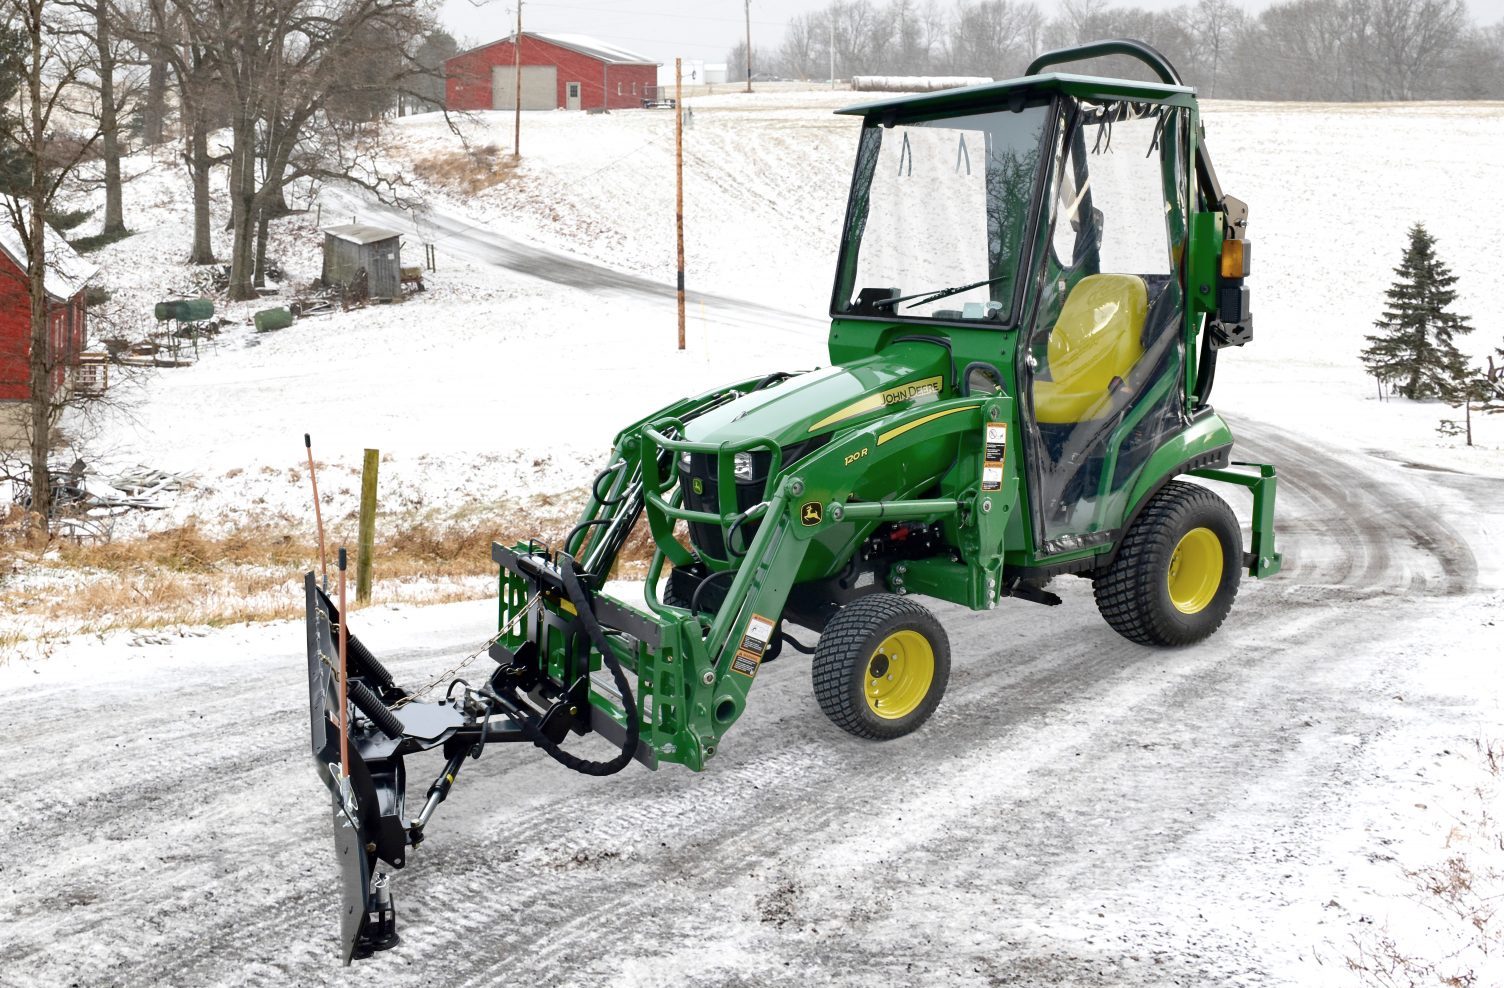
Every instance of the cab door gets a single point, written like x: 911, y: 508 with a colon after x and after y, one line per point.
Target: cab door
x: 1104, y: 359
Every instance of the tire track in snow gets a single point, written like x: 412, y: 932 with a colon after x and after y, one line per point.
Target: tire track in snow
x: 1361, y: 525
x: 201, y: 856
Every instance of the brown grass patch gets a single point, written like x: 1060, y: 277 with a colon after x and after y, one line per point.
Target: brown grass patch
x: 471, y: 170
x: 190, y: 575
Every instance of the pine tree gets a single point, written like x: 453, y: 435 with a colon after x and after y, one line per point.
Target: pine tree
x: 1415, y: 351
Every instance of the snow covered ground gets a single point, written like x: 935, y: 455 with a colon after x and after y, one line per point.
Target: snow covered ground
x: 550, y: 322
x: 465, y: 390
x: 1080, y: 811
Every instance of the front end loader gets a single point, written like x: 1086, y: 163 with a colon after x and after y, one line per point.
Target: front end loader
x: 1034, y: 282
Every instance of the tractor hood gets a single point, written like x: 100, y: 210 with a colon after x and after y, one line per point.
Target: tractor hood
x: 832, y: 399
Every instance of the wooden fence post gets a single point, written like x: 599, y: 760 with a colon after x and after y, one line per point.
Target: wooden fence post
x: 367, y: 526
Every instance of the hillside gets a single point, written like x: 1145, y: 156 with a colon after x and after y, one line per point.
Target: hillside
x: 494, y: 395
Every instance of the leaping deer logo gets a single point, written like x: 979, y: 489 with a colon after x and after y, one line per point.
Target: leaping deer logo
x: 810, y: 513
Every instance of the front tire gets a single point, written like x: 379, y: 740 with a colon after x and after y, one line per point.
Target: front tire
x: 881, y: 666
x: 1176, y: 574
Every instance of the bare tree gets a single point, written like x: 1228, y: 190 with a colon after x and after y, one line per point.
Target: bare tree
x: 154, y: 112
x: 802, y: 53
x: 989, y: 37
x: 1297, y: 49
x: 50, y: 98
x: 109, y: 126
x: 1411, y: 40
x: 278, y: 74
x: 1214, y: 25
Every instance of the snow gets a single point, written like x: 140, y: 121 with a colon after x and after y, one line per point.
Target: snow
x: 1079, y: 811
x: 67, y: 273
x: 914, y: 84
x: 496, y: 382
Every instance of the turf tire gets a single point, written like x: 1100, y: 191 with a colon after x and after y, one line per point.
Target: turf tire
x: 1133, y: 595
x: 846, y: 649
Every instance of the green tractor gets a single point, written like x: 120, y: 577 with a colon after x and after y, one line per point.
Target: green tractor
x: 1034, y: 280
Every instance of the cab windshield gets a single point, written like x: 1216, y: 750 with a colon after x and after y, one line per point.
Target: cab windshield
x: 936, y: 224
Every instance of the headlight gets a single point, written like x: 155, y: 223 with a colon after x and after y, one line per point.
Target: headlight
x: 683, y: 461
x: 741, y: 466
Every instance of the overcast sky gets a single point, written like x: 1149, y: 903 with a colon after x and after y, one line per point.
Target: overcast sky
x: 703, y: 29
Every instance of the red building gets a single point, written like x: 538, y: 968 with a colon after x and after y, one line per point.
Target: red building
x: 559, y: 71
x: 67, y: 276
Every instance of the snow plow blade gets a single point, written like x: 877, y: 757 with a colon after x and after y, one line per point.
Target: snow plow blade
x: 373, y: 828
x: 367, y: 917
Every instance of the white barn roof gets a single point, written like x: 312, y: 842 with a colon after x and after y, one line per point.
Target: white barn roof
x: 67, y: 273
x: 361, y: 233
x: 600, y: 50
x: 584, y: 44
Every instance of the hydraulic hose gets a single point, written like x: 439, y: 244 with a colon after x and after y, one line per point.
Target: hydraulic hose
x: 597, y: 636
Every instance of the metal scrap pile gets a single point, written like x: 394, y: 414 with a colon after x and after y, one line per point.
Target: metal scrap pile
x: 85, y: 504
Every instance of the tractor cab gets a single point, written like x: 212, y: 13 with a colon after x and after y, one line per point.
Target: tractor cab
x: 1042, y: 230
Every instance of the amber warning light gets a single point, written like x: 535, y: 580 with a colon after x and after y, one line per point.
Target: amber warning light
x: 1236, y: 256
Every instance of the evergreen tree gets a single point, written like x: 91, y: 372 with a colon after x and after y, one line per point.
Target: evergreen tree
x: 1415, y: 351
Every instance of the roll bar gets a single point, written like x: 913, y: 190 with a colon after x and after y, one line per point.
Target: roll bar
x: 1114, y: 46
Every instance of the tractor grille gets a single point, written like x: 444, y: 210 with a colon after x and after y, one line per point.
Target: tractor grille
x: 711, y: 539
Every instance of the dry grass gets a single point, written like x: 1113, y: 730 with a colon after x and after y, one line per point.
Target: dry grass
x: 1464, y: 891
x: 192, y: 576
x: 471, y: 170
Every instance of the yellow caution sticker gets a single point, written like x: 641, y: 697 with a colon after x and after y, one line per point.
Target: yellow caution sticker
x: 753, y: 646
x: 995, y: 443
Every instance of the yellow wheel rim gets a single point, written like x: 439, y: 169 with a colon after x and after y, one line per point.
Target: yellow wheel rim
x: 1195, y: 570
x: 899, y: 674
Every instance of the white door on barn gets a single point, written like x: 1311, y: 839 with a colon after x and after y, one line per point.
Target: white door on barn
x: 572, y: 95
x: 540, y: 87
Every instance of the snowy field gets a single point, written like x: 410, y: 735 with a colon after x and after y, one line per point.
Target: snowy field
x: 1081, y: 811
x: 497, y: 386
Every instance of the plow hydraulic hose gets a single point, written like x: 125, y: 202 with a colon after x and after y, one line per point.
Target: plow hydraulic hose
x: 597, y: 637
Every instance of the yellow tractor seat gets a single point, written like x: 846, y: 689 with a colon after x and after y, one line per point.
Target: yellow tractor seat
x: 1096, y: 342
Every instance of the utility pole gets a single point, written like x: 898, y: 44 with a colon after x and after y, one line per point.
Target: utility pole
x: 749, y: 45
x: 679, y: 182
x: 517, y: 110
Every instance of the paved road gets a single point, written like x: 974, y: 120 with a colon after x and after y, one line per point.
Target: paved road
x: 486, y: 244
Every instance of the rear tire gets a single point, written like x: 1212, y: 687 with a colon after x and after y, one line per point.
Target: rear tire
x: 881, y: 666
x: 1176, y: 574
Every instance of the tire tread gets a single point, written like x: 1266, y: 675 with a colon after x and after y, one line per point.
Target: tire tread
x: 1124, y: 593
x: 843, y: 645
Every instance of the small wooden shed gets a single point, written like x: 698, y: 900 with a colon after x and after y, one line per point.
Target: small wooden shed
x: 357, y: 247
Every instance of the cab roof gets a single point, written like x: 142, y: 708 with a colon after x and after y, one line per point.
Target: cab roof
x: 1048, y: 82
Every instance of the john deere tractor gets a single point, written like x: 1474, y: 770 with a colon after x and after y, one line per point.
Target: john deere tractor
x: 1035, y: 278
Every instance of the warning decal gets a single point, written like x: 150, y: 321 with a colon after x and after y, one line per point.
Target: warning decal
x: 754, y: 643
x: 996, y: 448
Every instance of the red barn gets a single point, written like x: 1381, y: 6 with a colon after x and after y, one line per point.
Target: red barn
x: 67, y: 275
x: 559, y: 71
